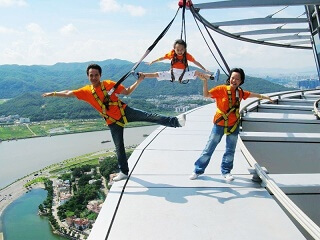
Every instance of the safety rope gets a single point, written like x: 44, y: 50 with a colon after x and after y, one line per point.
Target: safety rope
x: 143, y: 57
x: 183, y: 22
x: 209, y: 46
x: 193, y: 11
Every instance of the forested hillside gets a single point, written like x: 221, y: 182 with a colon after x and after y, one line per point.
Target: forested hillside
x: 25, y: 84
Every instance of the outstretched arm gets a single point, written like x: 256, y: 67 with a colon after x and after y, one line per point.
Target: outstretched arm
x: 205, y: 88
x: 200, y: 66
x: 65, y: 93
x: 129, y: 90
x: 157, y: 60
x: 260, y: 96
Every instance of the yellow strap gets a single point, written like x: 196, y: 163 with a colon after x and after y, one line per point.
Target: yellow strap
x: 226, y: 115
x: 103, y: 106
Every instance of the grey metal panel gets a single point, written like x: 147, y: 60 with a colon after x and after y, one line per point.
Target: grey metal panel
x: 285, y: 107
x: 273, y: 31
x: 280, y: 117
x: 280, y: 127
x: 260, y: 21
x: 303, y: 102
x: 288, y: 37
x: 274, y: 108
x: 286, y: 157
x: 254, y: 3
x: 298, y: 183
x: 281, y: 137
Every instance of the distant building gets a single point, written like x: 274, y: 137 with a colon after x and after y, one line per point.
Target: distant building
x: 64, y: 197
x: 181, y: 109
x: 92, y: 181
x: 80, y: 223
x: 308, y: 84
x: 24, y: 120
x: 94, y: 206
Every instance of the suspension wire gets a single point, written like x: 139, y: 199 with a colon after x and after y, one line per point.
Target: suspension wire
x: 183, y: 22
x: 209, y: 46
x: 271, y: 15
x: 145, y: 54
x: 214, y: 43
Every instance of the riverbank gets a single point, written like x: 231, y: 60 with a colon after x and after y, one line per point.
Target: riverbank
x: 16, y: 132
x: 12, y: 192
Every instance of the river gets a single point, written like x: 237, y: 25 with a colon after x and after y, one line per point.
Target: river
x: 21, y: 221
x: 21, y: 157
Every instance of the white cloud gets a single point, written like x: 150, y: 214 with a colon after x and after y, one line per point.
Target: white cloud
x: 4, y: 30
x: 68, y: 29
x: 135, y: 10
x: 173, y: 5
x: 109, y: 6
x: 10, y: 3
x: 34, y: 28
x: 114, y: 6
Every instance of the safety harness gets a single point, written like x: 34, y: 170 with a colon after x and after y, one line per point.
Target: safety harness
x: 183, y: 61
x: 234, y: 108
x: 105, y: 106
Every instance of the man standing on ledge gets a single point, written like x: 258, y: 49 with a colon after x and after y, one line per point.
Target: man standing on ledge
x: 115, y: 112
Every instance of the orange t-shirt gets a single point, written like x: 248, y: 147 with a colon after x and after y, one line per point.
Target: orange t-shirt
x: 220, y: 94
x: 178, y: 64
x: 86, y: 95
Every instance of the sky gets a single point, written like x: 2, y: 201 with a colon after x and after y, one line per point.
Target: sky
x: 45, y: 32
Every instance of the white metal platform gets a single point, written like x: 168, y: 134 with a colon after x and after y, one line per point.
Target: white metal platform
x: 160, y: 202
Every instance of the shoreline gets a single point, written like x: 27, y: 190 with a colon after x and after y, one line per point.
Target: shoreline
x: 13, y: 191
x: 67, y: 133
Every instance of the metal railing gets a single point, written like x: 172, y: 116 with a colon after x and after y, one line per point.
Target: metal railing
x: 316, y: 109
x: 283, y: 199
x: 255, y: 103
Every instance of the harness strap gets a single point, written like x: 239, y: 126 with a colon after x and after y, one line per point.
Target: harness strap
x: 183, y: 61
x: 225, y: 116
x: 104, y: 108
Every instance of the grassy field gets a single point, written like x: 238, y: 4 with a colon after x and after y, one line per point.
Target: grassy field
x: 51, y: 128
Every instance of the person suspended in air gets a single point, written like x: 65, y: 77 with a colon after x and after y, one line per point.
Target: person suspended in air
x: 179, y: 66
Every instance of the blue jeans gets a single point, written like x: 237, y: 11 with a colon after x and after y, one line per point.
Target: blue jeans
x: 228, y: 157
x: 136, y: 115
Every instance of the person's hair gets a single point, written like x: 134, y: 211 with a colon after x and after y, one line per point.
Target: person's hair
x: 237, y: 70
x: 94, y: 66
x: 181, y: 42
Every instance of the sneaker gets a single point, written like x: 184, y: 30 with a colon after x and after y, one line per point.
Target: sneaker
x: 120, y: 176
x: 182, y: 120
x: 194, y: 176
x: 228, y: 177
x: 216, y: 76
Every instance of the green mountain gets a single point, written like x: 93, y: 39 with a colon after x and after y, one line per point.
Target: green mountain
x: 25, y: 84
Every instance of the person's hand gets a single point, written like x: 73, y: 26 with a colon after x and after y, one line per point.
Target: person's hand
x: 141, y: 76
x: 270, y: 99
x: 203, y: 77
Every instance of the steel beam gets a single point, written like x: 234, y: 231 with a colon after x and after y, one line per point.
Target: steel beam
x: 273, y: 31
x: 253, y: 3
x: 260, y: 21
